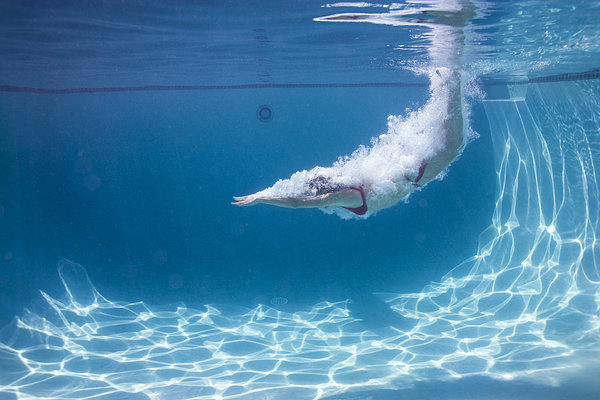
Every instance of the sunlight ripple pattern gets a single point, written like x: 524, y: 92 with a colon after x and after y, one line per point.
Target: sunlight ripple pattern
x: 525, y: 306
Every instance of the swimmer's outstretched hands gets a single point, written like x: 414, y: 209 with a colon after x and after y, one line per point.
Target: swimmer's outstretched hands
x: 250, y: 200
x: 344, y: 198
x: 281, y: 201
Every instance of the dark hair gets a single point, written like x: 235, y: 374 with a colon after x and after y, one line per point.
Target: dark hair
x: 322, y: 185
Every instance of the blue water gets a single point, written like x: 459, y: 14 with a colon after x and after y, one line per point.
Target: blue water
x: 116, y: 205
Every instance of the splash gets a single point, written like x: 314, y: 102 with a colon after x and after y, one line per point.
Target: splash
x: 526, y: 306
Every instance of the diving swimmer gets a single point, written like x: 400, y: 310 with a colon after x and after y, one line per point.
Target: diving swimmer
x: 416, y: 149
x: 406, y: 158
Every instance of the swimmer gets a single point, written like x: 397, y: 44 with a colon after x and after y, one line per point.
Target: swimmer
x: 415, y: 151
x: 363, y: 192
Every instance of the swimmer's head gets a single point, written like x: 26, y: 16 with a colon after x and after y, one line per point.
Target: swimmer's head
x: 320, y: 185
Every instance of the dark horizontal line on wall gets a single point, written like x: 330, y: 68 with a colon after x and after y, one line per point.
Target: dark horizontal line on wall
x: 21, y: 89
x: 573, y: 76
x: 592, y: 74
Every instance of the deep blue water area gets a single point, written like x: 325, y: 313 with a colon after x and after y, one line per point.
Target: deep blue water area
x: 137, y: 187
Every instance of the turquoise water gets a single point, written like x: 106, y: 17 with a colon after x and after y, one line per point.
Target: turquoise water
x: 115, y: 204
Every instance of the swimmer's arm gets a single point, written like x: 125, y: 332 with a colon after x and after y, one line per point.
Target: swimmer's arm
x: 343, y: 198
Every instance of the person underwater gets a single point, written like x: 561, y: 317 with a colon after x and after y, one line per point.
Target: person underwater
x: 416, y: 150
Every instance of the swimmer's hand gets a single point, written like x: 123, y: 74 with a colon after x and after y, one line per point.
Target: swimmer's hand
x: 342, y: 198
x: 250, y: 200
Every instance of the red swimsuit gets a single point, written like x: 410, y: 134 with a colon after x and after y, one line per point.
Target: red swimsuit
x: 362, y: 209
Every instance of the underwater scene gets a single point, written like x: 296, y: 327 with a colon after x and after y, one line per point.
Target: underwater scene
x: 299, y: 200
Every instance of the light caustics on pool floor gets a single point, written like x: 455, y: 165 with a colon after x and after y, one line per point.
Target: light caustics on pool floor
x: 526, y: 306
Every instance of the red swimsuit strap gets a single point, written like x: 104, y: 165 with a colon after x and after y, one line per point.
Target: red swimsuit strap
x: 421, y: 171
x: 362, y: 209
x: 419, y: 176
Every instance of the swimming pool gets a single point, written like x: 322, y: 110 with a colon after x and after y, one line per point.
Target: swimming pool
x: 126, y: 129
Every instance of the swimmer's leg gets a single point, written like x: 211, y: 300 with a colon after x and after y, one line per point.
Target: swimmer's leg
x: 452, y: 127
